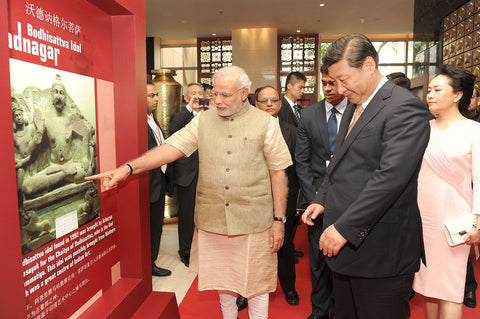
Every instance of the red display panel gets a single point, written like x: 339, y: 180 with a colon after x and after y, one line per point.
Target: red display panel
x: 95, y: 51
x: 60, y: 56
x: 106, y: 66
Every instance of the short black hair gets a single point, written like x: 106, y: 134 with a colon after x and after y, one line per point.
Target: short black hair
x: 260, y: 89
x: 207, y: 86
x: 294, y: 77
x: 400, y: 79
x: 354, y: 48
x: 461, y: 80
x: 324, y: 69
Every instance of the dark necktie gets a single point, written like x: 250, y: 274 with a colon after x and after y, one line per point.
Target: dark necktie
x: 332, y: 129
x: 297, y: 109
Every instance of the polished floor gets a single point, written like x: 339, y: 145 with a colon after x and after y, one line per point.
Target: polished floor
x: 205, y: 304
x: 180, y: 280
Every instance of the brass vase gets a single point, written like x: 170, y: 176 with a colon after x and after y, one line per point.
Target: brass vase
x: 169, y: 97
x: 169, y: 102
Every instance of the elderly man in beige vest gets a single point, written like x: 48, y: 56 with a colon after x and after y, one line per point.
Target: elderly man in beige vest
x: 241, y: 193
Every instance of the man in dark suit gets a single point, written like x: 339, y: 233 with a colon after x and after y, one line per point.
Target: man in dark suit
x: 372, y: 227
x: 290, y: 111
x: 316, y: 135
x: 157, y: 180
x: 268, y: 100
x: 186, y: 172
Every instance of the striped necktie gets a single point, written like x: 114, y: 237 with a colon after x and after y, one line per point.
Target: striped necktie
x: 332, y: 129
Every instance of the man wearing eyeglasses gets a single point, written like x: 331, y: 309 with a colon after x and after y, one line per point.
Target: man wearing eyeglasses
x: 267, y: 99
x: 241, y: 193
x: 157, y: 180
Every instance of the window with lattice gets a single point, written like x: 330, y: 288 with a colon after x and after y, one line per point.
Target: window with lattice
x: 213, y: 54
x: 299, y: 53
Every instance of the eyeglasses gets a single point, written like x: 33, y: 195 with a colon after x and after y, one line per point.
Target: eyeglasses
x: 225, y: 95
x: 273, y: 100
x: 152, y: 95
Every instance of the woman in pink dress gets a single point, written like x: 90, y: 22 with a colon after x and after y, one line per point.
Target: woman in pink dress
x: 451, y: 165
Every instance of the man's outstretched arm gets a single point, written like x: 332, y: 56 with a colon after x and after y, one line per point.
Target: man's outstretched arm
x: 151, y: 159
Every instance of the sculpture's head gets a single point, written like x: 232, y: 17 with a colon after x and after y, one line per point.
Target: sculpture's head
x: 59, y: 94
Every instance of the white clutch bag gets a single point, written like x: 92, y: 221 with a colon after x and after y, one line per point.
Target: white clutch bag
x: 456, y: 230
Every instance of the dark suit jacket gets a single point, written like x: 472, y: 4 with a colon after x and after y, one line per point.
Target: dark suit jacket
x: 185, y: 168
x: 289, y: 135
x: 286, y: 113
x: 159, y: 182
x: 370, y: 187
x: 312, y: 150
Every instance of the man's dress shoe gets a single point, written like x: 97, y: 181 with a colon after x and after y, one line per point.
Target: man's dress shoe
x: 185, y: 260
x: 160, y: 272
x: 242, y: 303
x: 292, y: 297
x: 470, y: 300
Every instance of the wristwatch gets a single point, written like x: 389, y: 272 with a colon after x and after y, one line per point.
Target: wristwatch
x: 280, y: 219
x: 475, y: 224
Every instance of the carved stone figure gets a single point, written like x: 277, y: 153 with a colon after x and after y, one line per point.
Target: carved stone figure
x: 26, y: 138
x: 55, y: 148
x: 34, y: 227
x: 70, y: 140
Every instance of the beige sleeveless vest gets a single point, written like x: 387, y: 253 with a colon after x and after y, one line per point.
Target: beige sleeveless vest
x: 234, y: 194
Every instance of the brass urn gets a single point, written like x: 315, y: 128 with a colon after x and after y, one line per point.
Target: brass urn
x: 169, y: 97
x: 169, y: 102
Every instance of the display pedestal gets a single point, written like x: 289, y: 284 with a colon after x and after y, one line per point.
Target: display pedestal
x: 161, y: 305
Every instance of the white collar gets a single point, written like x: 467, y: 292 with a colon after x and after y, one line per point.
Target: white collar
x: 340, y: 106
x: 380, y: 84
x: 289, y: 101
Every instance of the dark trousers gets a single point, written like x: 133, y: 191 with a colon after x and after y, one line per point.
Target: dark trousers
x: 372, y: 298
x: 286, y: 254
x: 157, y: 210
x: 322, y: 285
x: 186, y: 208
x: 470, y: 283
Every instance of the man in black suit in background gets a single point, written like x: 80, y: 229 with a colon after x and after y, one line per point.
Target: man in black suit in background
x: 316, y: 135
x: 158, y: 181
x: 268, y: 100
x: 290, y: 111
x: 186, y: 172
x: 372, y: 227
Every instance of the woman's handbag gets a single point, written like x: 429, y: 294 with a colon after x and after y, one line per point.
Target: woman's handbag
x: 456, y: 229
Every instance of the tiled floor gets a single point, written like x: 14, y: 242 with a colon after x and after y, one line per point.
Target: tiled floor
x: 180, y: 280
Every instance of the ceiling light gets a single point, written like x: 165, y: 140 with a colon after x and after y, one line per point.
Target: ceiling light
x: 298, y: 30
x: 322, y: 4
x: 214, y: 34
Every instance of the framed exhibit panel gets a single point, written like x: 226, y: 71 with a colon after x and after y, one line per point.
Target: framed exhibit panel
x: 74, y: 77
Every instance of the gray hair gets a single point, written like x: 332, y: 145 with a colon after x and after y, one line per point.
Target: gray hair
x: 185, y: 89
x: 243, y: 80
